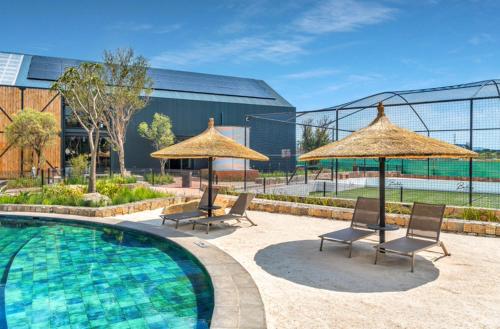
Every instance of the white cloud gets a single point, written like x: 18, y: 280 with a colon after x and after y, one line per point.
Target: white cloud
x: 343, y: 16
x: 166, y: 29
x: 317, y: 73
x: 144, y: 27
x: 481, y: 38
x: 236, y: 50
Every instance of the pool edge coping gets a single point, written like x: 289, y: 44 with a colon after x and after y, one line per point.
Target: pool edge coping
x: 237, y: 299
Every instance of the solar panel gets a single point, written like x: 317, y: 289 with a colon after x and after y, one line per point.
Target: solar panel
x: 9, y: 68
x: 50, y: 68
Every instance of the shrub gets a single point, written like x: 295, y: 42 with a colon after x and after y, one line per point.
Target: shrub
x: 108, y: 188
x: 121, y: 194
x: 60, y: 194
x: 71, y: 195
x: 480, y: 215
x: 24, y: 182
x: 397, y: 209
x: 75, y: 180
x: 159, y: 179
x: 126, y: 195
x: 79, y: 165
x: 121, y: 179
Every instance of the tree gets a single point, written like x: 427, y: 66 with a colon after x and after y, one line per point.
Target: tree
x: 323, y: 133
x: 83, y: 89
x: 159, y: 133
x: 128, y: 88
x: 34, y: 129
x: 307, y: 142
x: 314, y: 135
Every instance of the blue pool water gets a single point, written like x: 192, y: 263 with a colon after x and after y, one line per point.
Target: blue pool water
x: 64, y: 275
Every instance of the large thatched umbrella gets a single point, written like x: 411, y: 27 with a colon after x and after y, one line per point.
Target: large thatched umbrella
x: 382, y: 139
x: 209, y: 144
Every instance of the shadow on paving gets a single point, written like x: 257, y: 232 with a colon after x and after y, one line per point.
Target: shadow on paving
x: 302, y: 262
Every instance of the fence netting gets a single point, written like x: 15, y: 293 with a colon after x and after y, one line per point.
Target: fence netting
x: 465, y: 115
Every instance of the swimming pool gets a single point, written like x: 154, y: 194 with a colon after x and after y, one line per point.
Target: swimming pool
x: 60, y: 274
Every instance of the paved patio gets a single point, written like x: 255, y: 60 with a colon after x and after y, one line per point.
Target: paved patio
x: 304, y: 288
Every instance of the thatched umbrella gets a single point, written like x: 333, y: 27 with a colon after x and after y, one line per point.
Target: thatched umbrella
x: 382, y: 139
x: 209, y: 144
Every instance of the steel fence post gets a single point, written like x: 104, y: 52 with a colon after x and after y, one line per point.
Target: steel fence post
x: 471, y: 125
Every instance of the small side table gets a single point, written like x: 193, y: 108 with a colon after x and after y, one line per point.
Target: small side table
x: 387, y: 227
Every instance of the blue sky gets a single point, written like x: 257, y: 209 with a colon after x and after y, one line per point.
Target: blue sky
x: 315, y: 53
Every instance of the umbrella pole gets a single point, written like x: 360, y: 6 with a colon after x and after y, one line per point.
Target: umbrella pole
x: 381, y: 195
x: 210, y: 160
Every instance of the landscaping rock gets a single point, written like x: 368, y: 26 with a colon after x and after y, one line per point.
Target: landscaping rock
x: 96, y: 198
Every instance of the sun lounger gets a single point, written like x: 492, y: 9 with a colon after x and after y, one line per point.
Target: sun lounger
x: 188, y: 216
x: 366, y: 212
x: 237, y: 212
x: 423, y: 233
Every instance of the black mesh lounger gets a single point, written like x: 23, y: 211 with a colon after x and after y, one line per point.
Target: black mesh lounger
x: 237, y: 212
x: 366, y: 212
x: 423, y: 233
x: 188, y: 216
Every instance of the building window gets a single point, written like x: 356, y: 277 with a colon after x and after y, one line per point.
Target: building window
x: 76, y: 145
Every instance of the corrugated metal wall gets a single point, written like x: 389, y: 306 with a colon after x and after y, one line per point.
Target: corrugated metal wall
x: 190, y: 118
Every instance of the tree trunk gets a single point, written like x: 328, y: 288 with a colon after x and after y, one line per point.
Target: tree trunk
x: 94, y: 148
x: 162, y: 166
x: 121, y: 159
x: 38, y: 161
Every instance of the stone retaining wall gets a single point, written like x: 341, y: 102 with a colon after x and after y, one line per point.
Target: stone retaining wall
x: 109, y: 211
x: 302, y: 209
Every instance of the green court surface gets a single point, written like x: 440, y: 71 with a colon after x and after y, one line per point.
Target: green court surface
x: 433, y: 167
x: 450, y: 198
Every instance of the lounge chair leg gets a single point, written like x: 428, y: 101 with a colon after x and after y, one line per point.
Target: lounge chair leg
x: 412, y: 262
x: 194, y: 224
x: 376, y: 255
x: 208, y: 227
x: 176, y: 224
x: 163, y: 222
x: 446, y: 253
x: 251, y: 222
x: 321, y: 245
x: 350, y: 249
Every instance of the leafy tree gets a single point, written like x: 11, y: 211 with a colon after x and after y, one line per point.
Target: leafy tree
x: 159, y: 133
x: 323, y: 133
x: 34, y: 129
x: 84, y: 90
x: 128, y: 88
x: 307, y: 141
x: 314, y: 135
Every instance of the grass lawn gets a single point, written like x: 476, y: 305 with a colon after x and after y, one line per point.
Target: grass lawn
x: 451, y: 198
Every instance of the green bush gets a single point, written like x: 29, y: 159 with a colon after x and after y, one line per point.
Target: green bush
x: 60, y: 194
x: 79, y: 165
x: 108, y: 188
x: 159, y: 179
x: 23, y: 182
x: 57, y: 194
x: 75, y: 180
x: 118, y: 179
x: 480, y: 215
x: 126, y: 195
x: 71, y: 195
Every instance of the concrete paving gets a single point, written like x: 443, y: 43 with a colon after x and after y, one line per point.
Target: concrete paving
x: 304, y: 288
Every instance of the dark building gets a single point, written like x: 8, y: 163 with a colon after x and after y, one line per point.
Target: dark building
x: 189, y: 99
